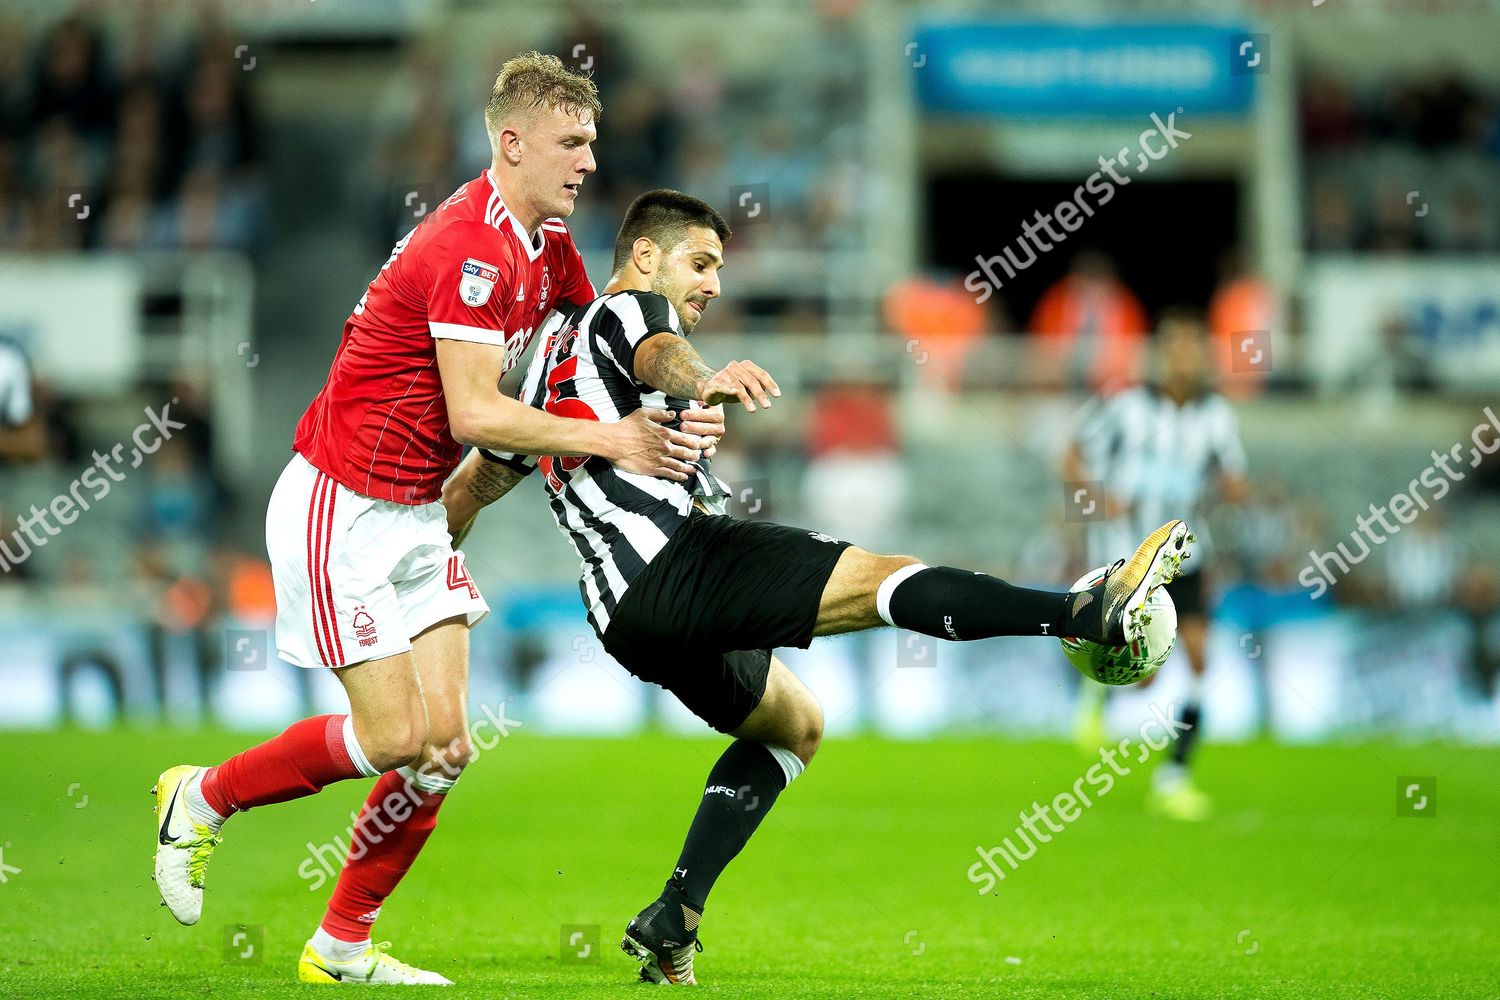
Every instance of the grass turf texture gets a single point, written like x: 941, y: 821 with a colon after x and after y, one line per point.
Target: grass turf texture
x: 1306, y: 883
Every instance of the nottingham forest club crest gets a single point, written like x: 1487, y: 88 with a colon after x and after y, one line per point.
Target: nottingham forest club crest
x: 477, y: 282
x: 364, y: 627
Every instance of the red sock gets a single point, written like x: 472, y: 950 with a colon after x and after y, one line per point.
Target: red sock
x: 381, y: 850
x: 310, y: 754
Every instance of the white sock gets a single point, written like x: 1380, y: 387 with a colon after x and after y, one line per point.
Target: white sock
x: 791, y: 764
x: 334, y: 950
x: 1168, y: 776
x: 888, y: 587
x: 422, y: 781
x: 1195, y: 689
x: 198, y: 807
x: 355, y: 751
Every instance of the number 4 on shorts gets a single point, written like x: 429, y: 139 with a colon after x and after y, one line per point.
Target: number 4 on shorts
x: 458, y: 577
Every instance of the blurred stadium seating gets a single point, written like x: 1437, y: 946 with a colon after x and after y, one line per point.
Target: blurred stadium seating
x: 193, y: 196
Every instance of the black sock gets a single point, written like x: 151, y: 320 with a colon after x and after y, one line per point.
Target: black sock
x: 960, y: 604
x: 741, y: 789
x: 1185, y: 740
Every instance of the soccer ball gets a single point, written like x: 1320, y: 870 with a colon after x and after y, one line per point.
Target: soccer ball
x: 1136, y: 661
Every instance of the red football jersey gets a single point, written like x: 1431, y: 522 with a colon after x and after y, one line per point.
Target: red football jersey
x: 467, y: 272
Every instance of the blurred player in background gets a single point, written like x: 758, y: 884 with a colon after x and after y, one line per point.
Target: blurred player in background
x: 689, y: 598
x: 366, y: 581
x: 1169, y: 446
x: 22, y: 436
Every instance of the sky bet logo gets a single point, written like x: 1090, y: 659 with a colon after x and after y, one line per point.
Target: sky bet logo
x: 479, y: 270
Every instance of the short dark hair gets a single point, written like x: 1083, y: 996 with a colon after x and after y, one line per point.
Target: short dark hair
x: 664, y: 216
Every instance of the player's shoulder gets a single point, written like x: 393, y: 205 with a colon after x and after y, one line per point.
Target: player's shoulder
x: 642, y: 311
x: 456, y: 234
x: 472, y: 214
x: 461, y: 250
x: 1123, y: 398
x: 1216, y: 403
x: 641, y: 296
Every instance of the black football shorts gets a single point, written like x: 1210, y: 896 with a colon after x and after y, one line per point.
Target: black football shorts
x: 1187, y: 594
x: 702, y: 618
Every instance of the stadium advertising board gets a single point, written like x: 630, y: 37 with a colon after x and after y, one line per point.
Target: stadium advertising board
x: 1032, y: 70
x: 77, y: 317
x: 1436, y: 321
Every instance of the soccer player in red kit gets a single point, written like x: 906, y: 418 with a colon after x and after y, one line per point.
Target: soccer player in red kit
x: 367, y: 582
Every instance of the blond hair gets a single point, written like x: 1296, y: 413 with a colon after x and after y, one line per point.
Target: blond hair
x: 533, y: 81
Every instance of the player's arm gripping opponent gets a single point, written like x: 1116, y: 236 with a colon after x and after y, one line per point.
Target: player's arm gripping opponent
x: 478, y: 482
x: 479, y: 414
x: 668, y: 362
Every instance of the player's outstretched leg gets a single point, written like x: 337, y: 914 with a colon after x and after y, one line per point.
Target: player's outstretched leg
x: 1088, y: 715
x: 1173, y: 791
x: 398, y: 816
x: 771, y: 749
x: 867, y: 590
x: 385, y: 729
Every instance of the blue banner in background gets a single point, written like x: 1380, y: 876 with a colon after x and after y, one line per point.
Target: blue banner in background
x: 1004, y: 69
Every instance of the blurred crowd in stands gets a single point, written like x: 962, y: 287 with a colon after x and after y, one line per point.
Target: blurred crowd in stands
x: 136, y: 136
x: 125, y: 142
x: 1410, y: 166
x: 795, y: 129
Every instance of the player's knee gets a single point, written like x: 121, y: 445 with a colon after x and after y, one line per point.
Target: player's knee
x: 395, y: 749
x: 448, y: 752
x: 806, y: 733
x: 396, y: 743
x: 812, y: 736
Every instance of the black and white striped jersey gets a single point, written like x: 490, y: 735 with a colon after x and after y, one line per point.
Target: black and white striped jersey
x: 15, y: 385
x: 1162, y: 458
x: 584, y: 367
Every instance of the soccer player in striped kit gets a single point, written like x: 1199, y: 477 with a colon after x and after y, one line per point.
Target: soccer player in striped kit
x: 686, y: 597
x: 367, y: 583
x: 1172, y: 445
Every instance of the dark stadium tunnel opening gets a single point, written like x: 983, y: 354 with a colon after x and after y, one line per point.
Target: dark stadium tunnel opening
x: 1167, y: 240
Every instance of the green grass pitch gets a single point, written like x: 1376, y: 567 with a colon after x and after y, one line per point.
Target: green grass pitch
x: 1306, y: 883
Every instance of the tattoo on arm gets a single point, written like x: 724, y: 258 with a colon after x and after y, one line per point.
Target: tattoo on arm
x: 492, y: 481
x: 489, y: 483
x: 674, y: 367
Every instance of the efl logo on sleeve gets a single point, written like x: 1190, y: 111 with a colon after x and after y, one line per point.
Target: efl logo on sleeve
x: 478, y: 282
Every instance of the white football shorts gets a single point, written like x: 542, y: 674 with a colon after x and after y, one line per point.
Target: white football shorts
x: 357, y: 578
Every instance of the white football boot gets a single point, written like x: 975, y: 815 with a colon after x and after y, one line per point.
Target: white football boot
x: 183, y: 845
x: 374, y: 966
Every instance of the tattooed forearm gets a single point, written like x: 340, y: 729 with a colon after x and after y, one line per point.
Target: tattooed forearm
x: 674, y: 367
x: 477, y: 485
x: 491, y: 482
